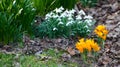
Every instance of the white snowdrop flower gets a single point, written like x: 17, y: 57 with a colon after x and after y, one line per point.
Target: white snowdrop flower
x: 66, y: 11
x: 69, y: 23
x: 61, y: 8
x: 47, y: 16
x: 78, y: 17
x: 60, y: 23
x: 14, y: 2
x: 81, y: 12
x: 88, y: 17
x: 63, y: 15
x: 58, y: 10
x: 51, y: 13
x: 55, y: 16
x: 70, y: 18
x: 86, y: 26
x: 88, y: 21
x: 55, y: 29
x: 59, y: 19
x: 68, y: 15
x: 88, y: 30
x: 72, y: 11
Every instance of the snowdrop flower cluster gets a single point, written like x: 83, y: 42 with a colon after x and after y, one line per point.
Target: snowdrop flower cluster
x: 60, y: 19
x: 60, y: 13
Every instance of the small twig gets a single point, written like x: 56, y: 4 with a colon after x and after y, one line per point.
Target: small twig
x: 114, y: 27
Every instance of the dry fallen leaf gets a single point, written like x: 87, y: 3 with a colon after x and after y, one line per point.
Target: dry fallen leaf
x: 70, y: 50
x: 106, y: 60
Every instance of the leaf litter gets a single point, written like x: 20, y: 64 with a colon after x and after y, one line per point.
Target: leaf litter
x: 107, y: 13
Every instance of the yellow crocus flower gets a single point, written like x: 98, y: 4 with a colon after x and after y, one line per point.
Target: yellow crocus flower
x: 101, y: 31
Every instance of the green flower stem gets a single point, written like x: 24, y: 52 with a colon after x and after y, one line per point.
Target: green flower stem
x: 103, y: 45
x: 84, y: 56
x: 101, y: 42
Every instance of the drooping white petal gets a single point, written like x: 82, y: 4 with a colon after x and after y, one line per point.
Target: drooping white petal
x: 78, y: 17
x: 69, y: 23
x: 55, y: 29
x: 72, y: 11
x: 88, y: 17
x: 61, y: 8
x: 81, y: 12
x: 60, y: 23
x: 89, y: 22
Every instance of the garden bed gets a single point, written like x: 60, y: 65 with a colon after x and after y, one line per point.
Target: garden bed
x: 61, y: 52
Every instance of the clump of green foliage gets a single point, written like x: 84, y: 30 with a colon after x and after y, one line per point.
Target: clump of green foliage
x: 64, y: 23
x: 16, y: 17
x: 9, y: 32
